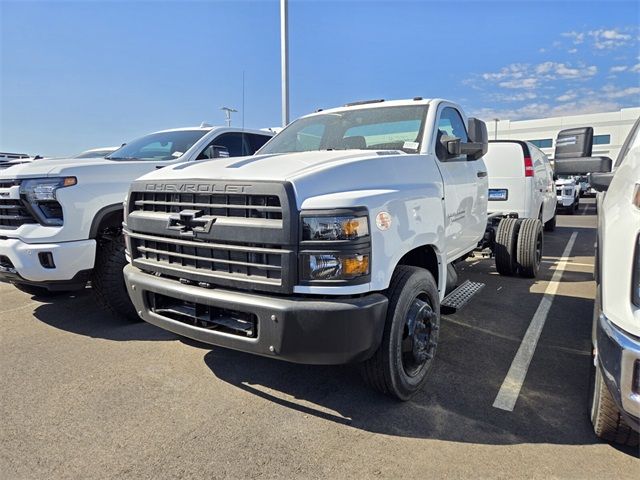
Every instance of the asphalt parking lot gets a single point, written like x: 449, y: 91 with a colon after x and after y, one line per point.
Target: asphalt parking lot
x: 84, y: 395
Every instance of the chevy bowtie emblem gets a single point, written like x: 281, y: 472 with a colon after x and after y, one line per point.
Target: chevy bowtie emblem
x: 190, y: 222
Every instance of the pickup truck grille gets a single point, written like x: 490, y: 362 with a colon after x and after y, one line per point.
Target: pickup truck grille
x: 244, y: 239
x: 242, y: 206
x: 14, y: 214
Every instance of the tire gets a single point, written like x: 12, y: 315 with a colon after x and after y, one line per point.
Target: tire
x: 505, y: 246
x: 530, y: 245
x: 550, y: 226
x: 108, y: 280
x: 39, y: 291
x: 400, y: 366
x: 571, y: 209
x: 607, y: 422
x: 576, y: 204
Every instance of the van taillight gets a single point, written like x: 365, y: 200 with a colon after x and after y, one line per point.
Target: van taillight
x: 528, y: 167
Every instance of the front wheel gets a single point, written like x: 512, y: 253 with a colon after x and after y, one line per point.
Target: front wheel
x: 605, y: 417
x: 400, y: 366
x: 108, y: 279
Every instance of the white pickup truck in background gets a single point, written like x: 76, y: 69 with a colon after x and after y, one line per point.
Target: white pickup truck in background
x: 615, y: 377
x: 61, y: 219
x: 521, y: 181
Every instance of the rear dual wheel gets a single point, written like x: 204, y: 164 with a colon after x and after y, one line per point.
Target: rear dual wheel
x: 518, y: 247
x: 400, y: 366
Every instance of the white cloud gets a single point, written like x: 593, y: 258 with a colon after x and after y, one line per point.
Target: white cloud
x: 570, y: 95
x: 577, y: 37
x: 543, y: 110
x: 618, y: 69
x: 636, y: 68
x: 526, y: 76
x: 608, y: 39
x: 573, y: 50
x: 612, y: 92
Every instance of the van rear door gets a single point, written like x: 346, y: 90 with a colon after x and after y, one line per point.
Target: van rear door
x: 507, y: 186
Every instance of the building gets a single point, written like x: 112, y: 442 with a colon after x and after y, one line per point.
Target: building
x: 609, y: 130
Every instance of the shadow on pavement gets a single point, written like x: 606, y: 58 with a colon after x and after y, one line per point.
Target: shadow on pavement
x: 456, y: 404
x: 78, y: 313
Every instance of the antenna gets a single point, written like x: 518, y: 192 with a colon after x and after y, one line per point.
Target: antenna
x: 227, y: 114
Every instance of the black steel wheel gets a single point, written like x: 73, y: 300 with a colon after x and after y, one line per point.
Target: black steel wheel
x: 400, y: 366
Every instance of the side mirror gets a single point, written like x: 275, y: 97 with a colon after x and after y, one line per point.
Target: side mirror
x: 217, y: 151
x: 582, y: 165
x: 600, y: 181
x: 478, y: 139
x: 574, y: 143
x: 453, y: 145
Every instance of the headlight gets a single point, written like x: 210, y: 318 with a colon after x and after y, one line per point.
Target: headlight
x: 335, y: 246
x: 334, y: 227
x: 41, y: 196
x: 44, y: 189
x: 334, y: 266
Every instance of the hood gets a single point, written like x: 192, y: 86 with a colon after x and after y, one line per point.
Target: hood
x: 75, y: 167
x: 278, y: 167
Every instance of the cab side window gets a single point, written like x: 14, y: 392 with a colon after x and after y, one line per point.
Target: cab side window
x: 233, y: 142
x: 256, y: 141
x: 450, y: 124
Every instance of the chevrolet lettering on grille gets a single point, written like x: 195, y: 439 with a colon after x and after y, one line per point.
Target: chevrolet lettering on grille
x: 190, y: 222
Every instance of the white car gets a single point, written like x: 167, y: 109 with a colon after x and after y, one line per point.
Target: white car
x: 568, y: 194
x: 615, y: 385
x: 61, y: 219
x: 521, y: 181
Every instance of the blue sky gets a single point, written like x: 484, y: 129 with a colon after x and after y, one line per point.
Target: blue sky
x: 76, y: 75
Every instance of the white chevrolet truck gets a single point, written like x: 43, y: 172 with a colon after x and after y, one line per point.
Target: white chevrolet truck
x: 61, y: 219
x: 335, y: 243
x: 615, y: 375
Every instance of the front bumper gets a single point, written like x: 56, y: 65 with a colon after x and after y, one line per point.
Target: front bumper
x: 21, y: 262
x: 301, y: 330
x: 619, y: 359
x: 565, y: 201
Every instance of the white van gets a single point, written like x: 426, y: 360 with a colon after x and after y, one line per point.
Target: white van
x: 521, y: 181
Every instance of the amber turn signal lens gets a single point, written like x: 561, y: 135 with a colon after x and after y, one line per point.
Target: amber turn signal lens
x: 356, y: 265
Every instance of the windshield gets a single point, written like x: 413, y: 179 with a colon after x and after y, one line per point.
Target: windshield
x: 380, y: 128
x: 95, y: 153
x: 159, y: 146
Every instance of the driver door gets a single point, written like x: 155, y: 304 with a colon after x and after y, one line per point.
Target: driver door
x: 465, y: 187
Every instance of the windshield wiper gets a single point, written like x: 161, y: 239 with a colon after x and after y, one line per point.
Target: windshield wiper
x: 122, y: 158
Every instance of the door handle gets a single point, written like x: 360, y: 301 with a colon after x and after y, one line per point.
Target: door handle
x: 481, y: 173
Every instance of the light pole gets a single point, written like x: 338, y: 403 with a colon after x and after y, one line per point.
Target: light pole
x: 227, y: 114
x: 495, y: 131
x: 284, y: 57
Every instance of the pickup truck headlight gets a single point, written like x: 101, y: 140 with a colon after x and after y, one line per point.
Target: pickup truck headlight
x: 44, y: 189
x: 41, y: 196
x: 335, y: 246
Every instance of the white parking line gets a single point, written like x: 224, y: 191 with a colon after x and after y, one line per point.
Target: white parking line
x: 510, y: 389
x: 584, y: 210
